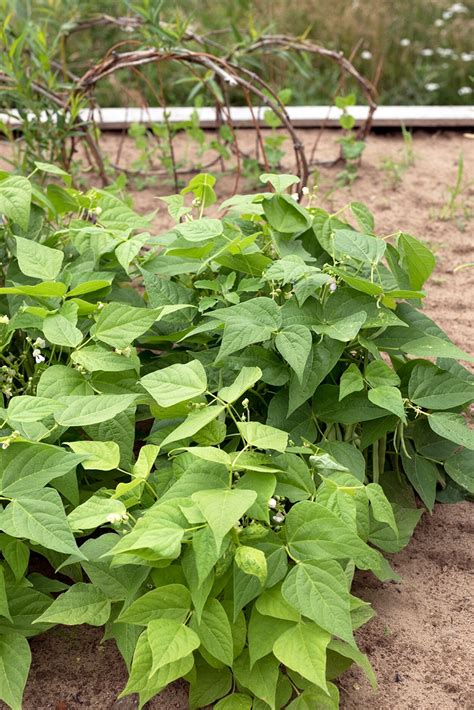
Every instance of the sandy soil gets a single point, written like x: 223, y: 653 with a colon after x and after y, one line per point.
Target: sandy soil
x: 421, y: 643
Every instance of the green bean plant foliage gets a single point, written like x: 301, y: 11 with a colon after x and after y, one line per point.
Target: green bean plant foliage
x: 204, y: 433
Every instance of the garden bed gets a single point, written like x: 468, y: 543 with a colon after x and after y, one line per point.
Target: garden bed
x: 417, y: 645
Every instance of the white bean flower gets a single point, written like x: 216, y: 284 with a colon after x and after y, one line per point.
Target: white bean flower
x: 405, y: 42
x: 39, y: 358
x: 431, y: 86
x: 465, y: 91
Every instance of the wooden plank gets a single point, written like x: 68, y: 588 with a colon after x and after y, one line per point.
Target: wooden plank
x: 110, y: 119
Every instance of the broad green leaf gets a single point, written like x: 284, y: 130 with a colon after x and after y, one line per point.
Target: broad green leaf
x: 263, y: 436
x: 223, y: 508
x: 389, y: 398
x: 176, y: 383
x: 379, y: 374
x: 169, y: 641
x: 263, y: 631
x: 294, y: 344
x: 215, y: 632
x: 316, y: 698
x: 194, y: 422
x: 94, y: 358
x: 452, y: 427
x: 381, y: 508
x: 363, y: 215
x: 251, y: 561
x: 422, y: 474
x: 272, y: 603
x: 355, y: 655
x: 343, y: 329
x: 146, y: 458
x: 81, y: 604
x: 285, y: 215
x: 246, y: 379
x: 460, y: 466
x: 417, y: 260
x: 171, y: 601
x: 41, y: 519
x: 59, y: 381
x: 236, y: 701
x: 97, y: 455
x: 324, y: 356
x: 37, y: 260
x: 433, y: 388
x: 119, y: 324
x: 261, y: 679
x: 94, y: 512
x: 15, y: 200
x: 315, y: 533
x: 279, y: 182
x: 92, y: 409
x: 4, y: 610
x: 30, y: 466
x: 351, y: 381
x: 46, y: 289
x: 318, y: 590
x: 303, y: 649
x: 15, y: 658
x: 352, y: 246
x: 26, y: 408
x: 17, y: 554
x: 356, y: 408
x: 208, y: 684
x: 199, y: 230
x: 59, y: 330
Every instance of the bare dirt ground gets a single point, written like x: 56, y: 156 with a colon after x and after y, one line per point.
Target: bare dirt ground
x: 421, y: 643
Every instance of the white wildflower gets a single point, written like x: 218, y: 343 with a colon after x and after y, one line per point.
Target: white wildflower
x: 444, y: 52
x: 405, y: 42
x: 467, y: 56
x: 447, y: 15
x: 37, y: 356
x: 427, y: 52
x: 272, y: 503
x: 439, y: 22
x: 4, y: 319
x: 366, y: 54
x: 431, y: 86
x: 457, y: 7
x: 465, y: 91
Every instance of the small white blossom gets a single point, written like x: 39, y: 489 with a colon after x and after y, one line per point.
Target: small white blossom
x: 6, y: 444
x: 447, y: 15
x: 465, y: 91
x: 332, y: 286
x: 427, y: 52
x: 278, y: 518
x: 439, y: 22
x: 305, y: 190
x: 245, y: 402
x: 457, y: 7
x: 405, y: 42
x: 114, y: 518
x: 39, y: 343
x: 431, y: 86
x: 37, y: 356
x: 366, y: 54
x: 444, y: 52
x: 100, y: 305
x: 4, y: 319
x: 467, y: 56
x: 295, y: 196
x: 272, y: 503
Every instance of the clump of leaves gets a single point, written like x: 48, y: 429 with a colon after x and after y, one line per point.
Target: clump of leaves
x: 208, y: 458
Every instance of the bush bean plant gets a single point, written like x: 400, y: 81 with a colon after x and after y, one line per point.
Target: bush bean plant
x: 205, y: 432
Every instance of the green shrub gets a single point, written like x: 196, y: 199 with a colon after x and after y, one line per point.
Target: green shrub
x: 206, y: 436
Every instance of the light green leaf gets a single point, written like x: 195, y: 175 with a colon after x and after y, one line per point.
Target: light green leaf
x: 294, y: 344
x: 92, y: 409
x: 15, y: 660
x: 285, y: 215
x: 30, y: 466
x: 95, y: 358
x: 26, y: 408
x: 379, y: 374
x: 263, y: 436
x: 171, y: 601
x: 236, y: 701
x: 422, y: 474
x: 252, y: 561
x: 37, y: 260
x: 303, y: 649
x: 4, y: 610
x: 279, y: 182
x: 247, y: 323
x: 169, y: 642
x: 97, y: 455
x: 176, y: 383
x: 199, y: 230
x: 223, y: 508
x: 146, y: 458
x: 94, y: 512
x: 59, y: 381
x: 194, y: 422
x: 215, y: 632
x: 460, y: 466
x: 45, y: 289
x: 81, y: 604
x: 343, y: 329
x: 59, y: 330
x: 261, y: 679
x: 389, y: 398
x: 417, y: 260
x: 433, y: 388
x: 381, y: 508
x: 452, y: 427
x: 363, y: 215
x: 15, y: 200
x: 41, y: 519
x: 246, y: 379
x: 316, y: 698
x: 351, y: 381
x: 119, y: 324
x: 319, y: 591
